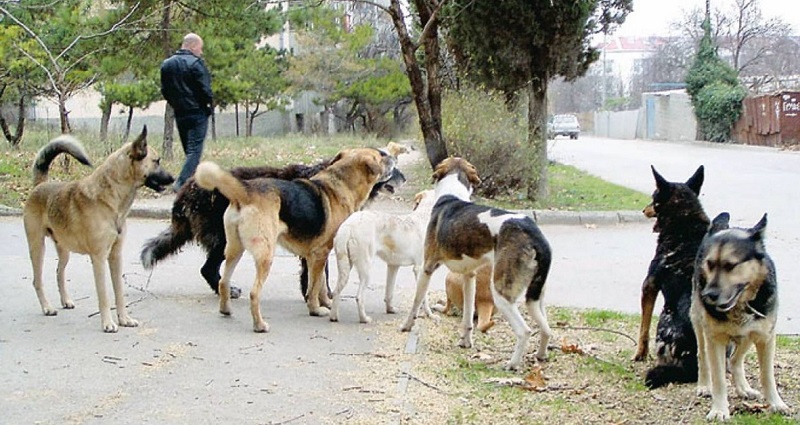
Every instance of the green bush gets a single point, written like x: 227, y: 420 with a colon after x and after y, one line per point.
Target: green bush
x: 477, y: 126
x: 718, y: 106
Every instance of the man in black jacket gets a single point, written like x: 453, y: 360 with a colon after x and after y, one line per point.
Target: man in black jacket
x: 186, y: 85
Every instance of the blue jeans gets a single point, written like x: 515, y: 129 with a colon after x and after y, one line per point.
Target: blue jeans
x: 192, y: 130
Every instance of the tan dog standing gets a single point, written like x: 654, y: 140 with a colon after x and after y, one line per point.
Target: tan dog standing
x: 484, y: 304
x: 87, y: 216
x: 301, y: 215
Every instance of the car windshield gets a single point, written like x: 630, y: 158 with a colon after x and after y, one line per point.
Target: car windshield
x: 567, y: 118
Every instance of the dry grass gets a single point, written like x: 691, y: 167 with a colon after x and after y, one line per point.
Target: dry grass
x: 588, y: 378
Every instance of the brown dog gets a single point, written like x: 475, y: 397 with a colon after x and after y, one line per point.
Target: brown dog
x: 484, y: 304
x: 302, y: 215
x: 87, y: 216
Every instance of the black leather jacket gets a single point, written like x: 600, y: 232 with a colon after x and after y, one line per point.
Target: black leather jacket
x: 186, y: 83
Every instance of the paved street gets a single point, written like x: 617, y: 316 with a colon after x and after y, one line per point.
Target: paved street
x: 746, y: 181
x: 187, y: 364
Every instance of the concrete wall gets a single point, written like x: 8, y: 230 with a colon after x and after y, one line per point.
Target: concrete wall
x: 663, y: 116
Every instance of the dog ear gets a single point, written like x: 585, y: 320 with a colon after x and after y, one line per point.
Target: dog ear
x: 696, y: 181
x: 440, y: 171
x: 139, y: 146
x: 661, y: 182
x: 757, y: 232
x: 472, y: 175
x: 720, y: 222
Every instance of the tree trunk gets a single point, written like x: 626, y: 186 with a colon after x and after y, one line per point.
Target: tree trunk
x: 128, y: 125
x: 427, y: 99
x: 537, y: 122
x: 106, y: 108
x: 63, y: 115
x: 169, y: 132
x: 169, y: 113
x: 16, y: 138
x: 236, y: 115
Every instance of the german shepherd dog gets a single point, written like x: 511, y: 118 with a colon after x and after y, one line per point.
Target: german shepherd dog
x: 302, y: 215
x: 465, y: 236
x: 681, y: 224
x: 197, y: 216
x: 735, y: 300
x: 87, y: 216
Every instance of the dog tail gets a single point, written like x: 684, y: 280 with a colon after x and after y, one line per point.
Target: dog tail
x: 665, y: 374
x: 61, y: 144
x: 167, y: 243
x: 211, y: 176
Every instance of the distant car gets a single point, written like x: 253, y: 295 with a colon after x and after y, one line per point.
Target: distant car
x: 563, y: 125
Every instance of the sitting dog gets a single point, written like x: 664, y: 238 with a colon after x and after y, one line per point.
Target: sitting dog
x: 301, y: 215
x: 197, y: 215
x: 465, y: 236
x: 484, y: 304
x: 396, y: 239
x: 87, y: 216
x: 681, y: 224
x: 735, y: 299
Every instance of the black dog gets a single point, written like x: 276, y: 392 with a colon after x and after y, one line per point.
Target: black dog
x: 681, y: 224
x: 197, y: 215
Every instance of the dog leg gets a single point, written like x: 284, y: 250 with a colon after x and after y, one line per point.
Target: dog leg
x: 537, y: 311
x: 649, y: 295
x: 425, y: 307
x: 233, y: 253
x: 115, y: 267
x: 317, y: 298
x: 521, y: 329
x: 263, y: 265
x: 36, y: 251
x: 719, y: 387
x: 743, y: 388
x: 211, y: 268
x: 422, y: 291
x: 468, y: 310
x: 63, y: 259
x: 391, y: 278
x: 362, y: 265
x: 485, y: 321
x: 703, y: 379
x: 343, y: 266
x: 99, y: 269
x: 766, y: 365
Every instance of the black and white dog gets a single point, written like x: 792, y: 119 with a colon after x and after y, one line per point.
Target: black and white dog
x: 464, y: 236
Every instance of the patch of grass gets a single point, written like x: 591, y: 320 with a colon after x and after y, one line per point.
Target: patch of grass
x: 788, y: 342
x: 601, y: 317
x: 571, y: 189
x: 760, y: 419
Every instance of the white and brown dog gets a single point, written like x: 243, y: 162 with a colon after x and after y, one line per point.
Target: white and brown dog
x: 301, y: 215
x: 397, y: 239
x: 464, y: 236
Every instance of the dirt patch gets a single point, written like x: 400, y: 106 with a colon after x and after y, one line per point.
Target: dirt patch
x: 588, y: 378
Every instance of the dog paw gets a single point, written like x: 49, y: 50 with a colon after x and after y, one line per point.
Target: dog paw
x: 640, y: 356
x: 261, y: 327
x: 50, y: 311
x: 511, y: 366
x: 319, y: 311
x: 703, y: 391
x: 390, y: 309
x: 68, y: 304
x: 407, y: 326
x: 236, y: 292
x: 225, y: 308
x: 128, y: 322
x: 110, y: 327
x: 780, y: 407
x: 748, y: 393
x: 718, y: 415
x: 366, y: 319
x: 465, y: 342
x: 334, y: 317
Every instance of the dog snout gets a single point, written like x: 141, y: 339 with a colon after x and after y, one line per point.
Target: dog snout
x: 159, y: 180
x: 649, y: 211
x: 710, y: 294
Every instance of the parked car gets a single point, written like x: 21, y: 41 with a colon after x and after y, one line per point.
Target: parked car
x: 563, y: 125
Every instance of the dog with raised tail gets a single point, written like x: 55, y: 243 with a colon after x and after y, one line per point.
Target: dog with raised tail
x: 464, y: 236
x: 301, y: 215
x: 397, y: 239
x: 88, y: 216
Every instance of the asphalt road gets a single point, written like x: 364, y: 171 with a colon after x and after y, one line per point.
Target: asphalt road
x: 186, y: 363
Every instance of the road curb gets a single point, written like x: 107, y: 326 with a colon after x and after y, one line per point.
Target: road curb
x: 545, y: 217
